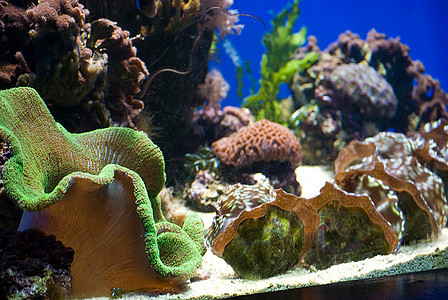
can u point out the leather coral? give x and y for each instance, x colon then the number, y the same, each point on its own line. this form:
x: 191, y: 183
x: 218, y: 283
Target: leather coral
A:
x: 97, y: 193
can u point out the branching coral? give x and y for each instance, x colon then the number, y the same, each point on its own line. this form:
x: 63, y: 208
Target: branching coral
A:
x: 214, y: 89
x: 92, y: 190
x: 126, y: 72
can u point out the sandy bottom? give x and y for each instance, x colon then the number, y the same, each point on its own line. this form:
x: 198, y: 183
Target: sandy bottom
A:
x: 222, y: 282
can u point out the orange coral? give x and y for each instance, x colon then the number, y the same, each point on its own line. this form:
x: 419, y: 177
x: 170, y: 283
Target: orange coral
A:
x: 260, y: 141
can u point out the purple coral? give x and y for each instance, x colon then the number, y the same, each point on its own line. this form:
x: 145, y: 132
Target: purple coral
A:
x: 361, y: 88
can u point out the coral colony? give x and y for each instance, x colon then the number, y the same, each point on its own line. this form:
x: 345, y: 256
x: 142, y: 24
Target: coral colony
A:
x: 111, y: 128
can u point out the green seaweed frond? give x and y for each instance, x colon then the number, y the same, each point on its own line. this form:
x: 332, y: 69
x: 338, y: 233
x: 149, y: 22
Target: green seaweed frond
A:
x: 276, y: 64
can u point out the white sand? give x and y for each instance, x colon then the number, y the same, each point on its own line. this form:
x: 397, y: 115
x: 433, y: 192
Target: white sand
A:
x: 222, y: 281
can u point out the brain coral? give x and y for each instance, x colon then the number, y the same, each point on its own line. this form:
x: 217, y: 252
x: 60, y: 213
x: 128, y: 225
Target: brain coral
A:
x: 364, y: 87
x: 259, y: 141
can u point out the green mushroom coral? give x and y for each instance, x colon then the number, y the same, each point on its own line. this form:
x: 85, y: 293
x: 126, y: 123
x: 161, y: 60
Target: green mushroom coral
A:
x: 97, y: 193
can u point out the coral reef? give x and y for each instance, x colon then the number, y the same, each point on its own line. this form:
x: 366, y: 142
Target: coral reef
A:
x: 204, y: 191
x: 52, y: 53
x: 214, y: 89
x: 68, y: 182
x: 387, y: 191
x: 126, y: 72
x: 265, y: 147
x: 212, y: 125
x: 34, y: 266
x: 394, y: 159
x: 359, y: 88
x: 377, y: 64
x: 77, y: 58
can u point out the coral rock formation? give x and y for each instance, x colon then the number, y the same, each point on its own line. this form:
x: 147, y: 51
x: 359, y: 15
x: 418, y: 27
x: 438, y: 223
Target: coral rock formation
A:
x: 261, y: 147
x: 402, y: 97
x: 34, y: 266
x: 260, y: 141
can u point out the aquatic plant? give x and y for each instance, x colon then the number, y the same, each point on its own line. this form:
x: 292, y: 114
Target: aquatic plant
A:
x: 386, y: 192
x: 276, y: 64
x: 97, y: 193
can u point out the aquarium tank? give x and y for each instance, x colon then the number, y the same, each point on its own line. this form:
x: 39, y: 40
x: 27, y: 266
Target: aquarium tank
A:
x: 210, y: 149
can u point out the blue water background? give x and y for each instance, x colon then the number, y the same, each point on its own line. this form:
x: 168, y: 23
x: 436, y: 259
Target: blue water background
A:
x: 421, y: 24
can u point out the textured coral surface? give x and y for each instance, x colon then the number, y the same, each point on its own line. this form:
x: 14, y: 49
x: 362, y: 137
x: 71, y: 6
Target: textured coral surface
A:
x: 394, y: 159
x: 260, y: 141
x: 113, y: 174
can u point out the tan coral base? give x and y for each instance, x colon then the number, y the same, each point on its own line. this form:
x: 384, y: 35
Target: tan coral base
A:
x: 222, y: 281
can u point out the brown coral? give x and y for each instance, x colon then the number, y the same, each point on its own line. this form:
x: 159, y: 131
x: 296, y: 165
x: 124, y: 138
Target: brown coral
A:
x: 60, y: 14
x: 253, y: 205
x: 126, y: 72
x: 260, y: 141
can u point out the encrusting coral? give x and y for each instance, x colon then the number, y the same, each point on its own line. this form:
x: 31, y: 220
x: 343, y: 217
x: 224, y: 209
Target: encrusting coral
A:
x: 97, y: 193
